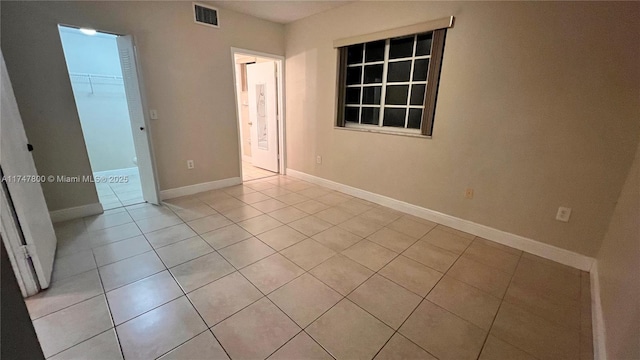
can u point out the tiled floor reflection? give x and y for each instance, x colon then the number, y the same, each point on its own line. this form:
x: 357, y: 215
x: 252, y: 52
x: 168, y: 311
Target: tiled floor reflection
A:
x: 250, y: 172
x: 122, y: 188
x: 283, y: 269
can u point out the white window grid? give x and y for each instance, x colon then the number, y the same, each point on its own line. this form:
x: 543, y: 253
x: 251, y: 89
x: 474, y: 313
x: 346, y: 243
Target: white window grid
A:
x: 384, y: 83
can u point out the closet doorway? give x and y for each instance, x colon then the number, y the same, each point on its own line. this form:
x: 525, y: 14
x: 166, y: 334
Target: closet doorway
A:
x: 105, y: 83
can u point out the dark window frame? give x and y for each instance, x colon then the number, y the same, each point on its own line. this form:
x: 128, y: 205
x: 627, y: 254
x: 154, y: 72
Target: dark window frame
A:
x: 431, y: 91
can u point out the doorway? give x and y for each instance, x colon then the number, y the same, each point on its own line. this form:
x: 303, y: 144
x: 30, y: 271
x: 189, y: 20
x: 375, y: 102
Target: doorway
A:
x: 259, y: 98
x: 105, y: 87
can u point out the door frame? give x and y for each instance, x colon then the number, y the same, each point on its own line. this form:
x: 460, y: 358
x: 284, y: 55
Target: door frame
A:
x: 143, y: 100
x: 280, y: 66
x: 13, y: 239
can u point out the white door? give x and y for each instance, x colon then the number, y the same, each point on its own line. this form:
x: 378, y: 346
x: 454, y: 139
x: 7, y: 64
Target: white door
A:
x: 28, y: 231
x: 137, y: 114
x: 263, y: 114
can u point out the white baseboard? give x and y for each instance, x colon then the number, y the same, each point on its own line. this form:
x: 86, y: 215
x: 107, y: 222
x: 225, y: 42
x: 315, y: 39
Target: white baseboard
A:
x: 197, y: 188
x: 546, y: 251
x: 597, y: 318
x: 76, y: 212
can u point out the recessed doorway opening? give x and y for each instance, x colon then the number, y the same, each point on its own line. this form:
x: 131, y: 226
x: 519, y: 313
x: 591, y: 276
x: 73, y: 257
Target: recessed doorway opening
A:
x: 103, y: 76
x: 259, y: 97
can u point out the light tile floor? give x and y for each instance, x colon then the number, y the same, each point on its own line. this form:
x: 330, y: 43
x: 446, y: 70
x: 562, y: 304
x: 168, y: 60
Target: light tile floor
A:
x: 122, y: 188
x: 250, y: 172
x: 281, y: 269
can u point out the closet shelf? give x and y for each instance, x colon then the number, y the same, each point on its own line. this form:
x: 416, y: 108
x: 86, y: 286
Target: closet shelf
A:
x: 95, y: 79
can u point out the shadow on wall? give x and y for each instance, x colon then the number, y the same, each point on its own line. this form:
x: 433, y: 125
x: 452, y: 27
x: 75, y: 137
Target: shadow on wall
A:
x: 303, y: 147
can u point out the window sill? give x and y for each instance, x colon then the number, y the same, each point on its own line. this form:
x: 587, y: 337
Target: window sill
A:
x: 380, y: 130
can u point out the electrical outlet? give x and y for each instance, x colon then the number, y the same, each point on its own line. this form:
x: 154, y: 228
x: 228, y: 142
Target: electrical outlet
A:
x: 318, y: 159
x: 153, y: 114
x: 190, y: 164
x: 468, y: 194
x: 564, y: 213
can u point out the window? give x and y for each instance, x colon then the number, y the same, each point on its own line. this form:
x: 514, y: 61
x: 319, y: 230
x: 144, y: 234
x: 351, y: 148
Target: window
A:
x: 390, y: 84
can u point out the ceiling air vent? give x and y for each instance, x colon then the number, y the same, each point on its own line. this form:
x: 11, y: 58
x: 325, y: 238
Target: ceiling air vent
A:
x: 205, y: 15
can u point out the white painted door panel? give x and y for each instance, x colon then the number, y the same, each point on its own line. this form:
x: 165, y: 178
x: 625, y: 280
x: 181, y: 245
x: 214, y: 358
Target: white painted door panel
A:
x: 137, y: 114
x: 25, y: 194
x: 263, y: 113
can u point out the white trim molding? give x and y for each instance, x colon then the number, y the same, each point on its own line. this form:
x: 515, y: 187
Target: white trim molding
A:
x: 76, y: 212
x: 197, y: 188
x: 282, y: 111
x: 597, y: 318
x: 541, y: 249
x: 436, y: 24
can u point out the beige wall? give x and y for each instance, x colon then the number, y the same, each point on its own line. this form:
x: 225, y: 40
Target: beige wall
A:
x: 537, y: 108
x: 187, y: 71
x: 618, y: 266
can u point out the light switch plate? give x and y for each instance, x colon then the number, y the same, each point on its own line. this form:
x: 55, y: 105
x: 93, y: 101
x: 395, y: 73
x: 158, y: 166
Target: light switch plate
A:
x: 153, y: 114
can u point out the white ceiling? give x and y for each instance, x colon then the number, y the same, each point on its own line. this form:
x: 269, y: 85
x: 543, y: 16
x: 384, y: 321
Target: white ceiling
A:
x: 280, y: 11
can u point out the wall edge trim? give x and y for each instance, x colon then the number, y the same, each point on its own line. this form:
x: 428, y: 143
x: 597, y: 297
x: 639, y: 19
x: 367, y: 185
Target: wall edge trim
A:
x: 563, y: 256
x: 76, y: 212
x: 197, y: 188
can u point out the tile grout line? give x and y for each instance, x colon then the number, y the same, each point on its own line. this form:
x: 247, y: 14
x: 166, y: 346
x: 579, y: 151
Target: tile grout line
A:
x: 424, y: 298
x: 104, y: 292
x: 184, y: 342
x: 97, y: 269
x: 265, y: 296
x: 419, y: 239
x: 237, y: 270
x: 271, y: 292
x: 276, y: 305
x: 343, y: 297
x: 177, y: 283
x: 346, y: 297
x: 216, y: 251
x: 113, y: 326
x: 188, y: 299
x: 183, y: 222
x: 528, y: 312
x: 89, y: 338
x: 498, y: 310
x: 113, y: 323
x: 374, y: 272
x: 66, y: 307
